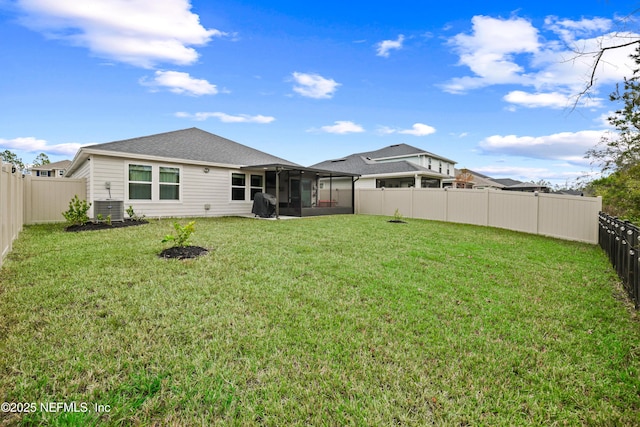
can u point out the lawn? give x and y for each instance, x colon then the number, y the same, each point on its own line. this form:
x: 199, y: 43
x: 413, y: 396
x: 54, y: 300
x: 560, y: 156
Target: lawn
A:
x: 345, y: 320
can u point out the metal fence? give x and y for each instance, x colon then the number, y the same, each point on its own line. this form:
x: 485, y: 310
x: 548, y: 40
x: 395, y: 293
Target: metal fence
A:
x: 621, y: 241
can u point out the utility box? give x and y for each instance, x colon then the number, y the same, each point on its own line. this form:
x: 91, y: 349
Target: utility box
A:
x: 115, y: 208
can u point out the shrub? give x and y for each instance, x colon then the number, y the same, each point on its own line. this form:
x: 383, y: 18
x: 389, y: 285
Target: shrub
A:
x: 134, y: 216
x: 77, y: 213
x: 183, y: 233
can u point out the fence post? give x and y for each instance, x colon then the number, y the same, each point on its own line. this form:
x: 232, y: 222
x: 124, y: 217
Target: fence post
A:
x: 621, y: 241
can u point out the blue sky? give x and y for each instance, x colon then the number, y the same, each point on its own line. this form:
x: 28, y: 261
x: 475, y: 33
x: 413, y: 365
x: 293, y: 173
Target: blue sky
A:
x: 491, y: 86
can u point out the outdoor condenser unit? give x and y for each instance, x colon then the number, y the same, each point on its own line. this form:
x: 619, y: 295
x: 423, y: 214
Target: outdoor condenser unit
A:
x: 115, y: 208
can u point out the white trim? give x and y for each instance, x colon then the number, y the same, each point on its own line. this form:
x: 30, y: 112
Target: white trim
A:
x: 155, y: 182
x: 247, y: 184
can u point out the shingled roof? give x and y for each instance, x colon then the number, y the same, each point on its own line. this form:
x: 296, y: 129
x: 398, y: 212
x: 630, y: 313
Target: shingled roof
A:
x: 191, y: 144
x: 366, y: 164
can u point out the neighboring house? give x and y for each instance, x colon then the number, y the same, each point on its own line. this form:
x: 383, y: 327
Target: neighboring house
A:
x: 528, y: 187
x: 396, y: 166
x: 51, y: 170
x: 467, y: 178
x: 191, y: 172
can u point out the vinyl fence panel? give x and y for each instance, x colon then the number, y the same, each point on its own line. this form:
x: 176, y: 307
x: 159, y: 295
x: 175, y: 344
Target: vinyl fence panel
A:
x: 48, y: 198
x: 564, y: 217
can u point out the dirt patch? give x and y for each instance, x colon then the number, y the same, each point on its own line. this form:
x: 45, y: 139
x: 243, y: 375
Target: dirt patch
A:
x: 183, y: 252
x: 89, y: 226
x: 397, y: 221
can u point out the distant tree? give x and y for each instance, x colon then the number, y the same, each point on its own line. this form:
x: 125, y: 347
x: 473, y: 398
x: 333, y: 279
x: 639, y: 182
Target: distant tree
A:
x: 464, y: 178
x: 618, y: 153
x: 542, y: 183
x: 11, y: 157
x: 620, y: 193
x: 41, y: 159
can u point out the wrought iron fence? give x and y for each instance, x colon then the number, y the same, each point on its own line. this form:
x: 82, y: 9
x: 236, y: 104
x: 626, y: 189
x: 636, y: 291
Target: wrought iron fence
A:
x: 621, y: 241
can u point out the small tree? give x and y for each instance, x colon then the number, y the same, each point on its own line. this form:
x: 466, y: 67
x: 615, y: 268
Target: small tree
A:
x: 77, y: 213
x: 183, y: 233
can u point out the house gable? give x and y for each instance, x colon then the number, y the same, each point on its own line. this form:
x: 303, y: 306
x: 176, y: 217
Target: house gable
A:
x: 191, y: 145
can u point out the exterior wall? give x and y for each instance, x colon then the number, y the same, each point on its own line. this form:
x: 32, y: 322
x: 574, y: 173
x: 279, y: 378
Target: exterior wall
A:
x: 197, y: 189
x: 423, y: 160
x: 564, y: 217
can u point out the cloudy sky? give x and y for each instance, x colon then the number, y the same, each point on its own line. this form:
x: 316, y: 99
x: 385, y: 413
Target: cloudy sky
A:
x: 492, y: 86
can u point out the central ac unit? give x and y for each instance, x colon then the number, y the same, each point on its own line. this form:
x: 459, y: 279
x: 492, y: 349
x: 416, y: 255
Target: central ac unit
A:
x: 115, y: 208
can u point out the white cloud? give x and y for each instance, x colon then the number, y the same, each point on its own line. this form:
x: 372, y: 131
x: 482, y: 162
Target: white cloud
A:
x: 34, y: 145
x: 385, y: 46
x: 548, y: 59
x: 534, y: 100
x: 138, y: 32
x: 314, y: 85
x: 419, y: 129
x: 227, y: 118
x: 181, y: 83
x: 566, y: 146
x: 385, y: 130
x: 343, y: 127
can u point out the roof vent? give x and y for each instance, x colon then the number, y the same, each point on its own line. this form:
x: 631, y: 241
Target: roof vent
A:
x: 395, y: 145
x: 338, y: 160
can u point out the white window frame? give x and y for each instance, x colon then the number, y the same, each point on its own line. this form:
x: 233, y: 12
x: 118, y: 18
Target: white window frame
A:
x: 251, y: 187
x: 178, y: 184
x: 245, y: 187
x: 155, y: 182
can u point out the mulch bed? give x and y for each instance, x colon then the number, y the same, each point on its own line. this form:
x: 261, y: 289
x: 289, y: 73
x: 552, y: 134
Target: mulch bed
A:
x: 176, y: 252
x: 89, y: 226
x: 183, y: 252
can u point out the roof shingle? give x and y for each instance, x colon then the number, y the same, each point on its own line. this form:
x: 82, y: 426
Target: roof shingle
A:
x: 192, y: 144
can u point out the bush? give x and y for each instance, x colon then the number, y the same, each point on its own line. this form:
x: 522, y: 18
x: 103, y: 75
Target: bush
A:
x: 77, y: 213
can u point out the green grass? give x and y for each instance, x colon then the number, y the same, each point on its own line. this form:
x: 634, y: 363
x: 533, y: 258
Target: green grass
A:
x: 346, y: 320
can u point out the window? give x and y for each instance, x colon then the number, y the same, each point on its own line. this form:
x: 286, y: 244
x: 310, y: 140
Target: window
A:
x: 238, y: 186
x: 256, y: 185
x: 169, y: 183
x: 140, y: 182
x: 61, y: 173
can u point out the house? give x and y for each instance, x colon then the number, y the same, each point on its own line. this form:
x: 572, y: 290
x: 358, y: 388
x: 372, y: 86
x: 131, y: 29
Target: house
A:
x: 467, y: 178
x: 192, y: 172
x: 51, y: 170
x: 395, y: 166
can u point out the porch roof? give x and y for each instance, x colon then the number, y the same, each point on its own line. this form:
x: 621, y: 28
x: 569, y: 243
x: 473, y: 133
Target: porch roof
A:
x: 322, y: 173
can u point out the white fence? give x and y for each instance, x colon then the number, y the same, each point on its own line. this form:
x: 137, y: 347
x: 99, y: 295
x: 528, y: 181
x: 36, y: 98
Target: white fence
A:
x: 11, y: 207
x: 31, y: 200
x: 564, y: 217
x: 46, y: 198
